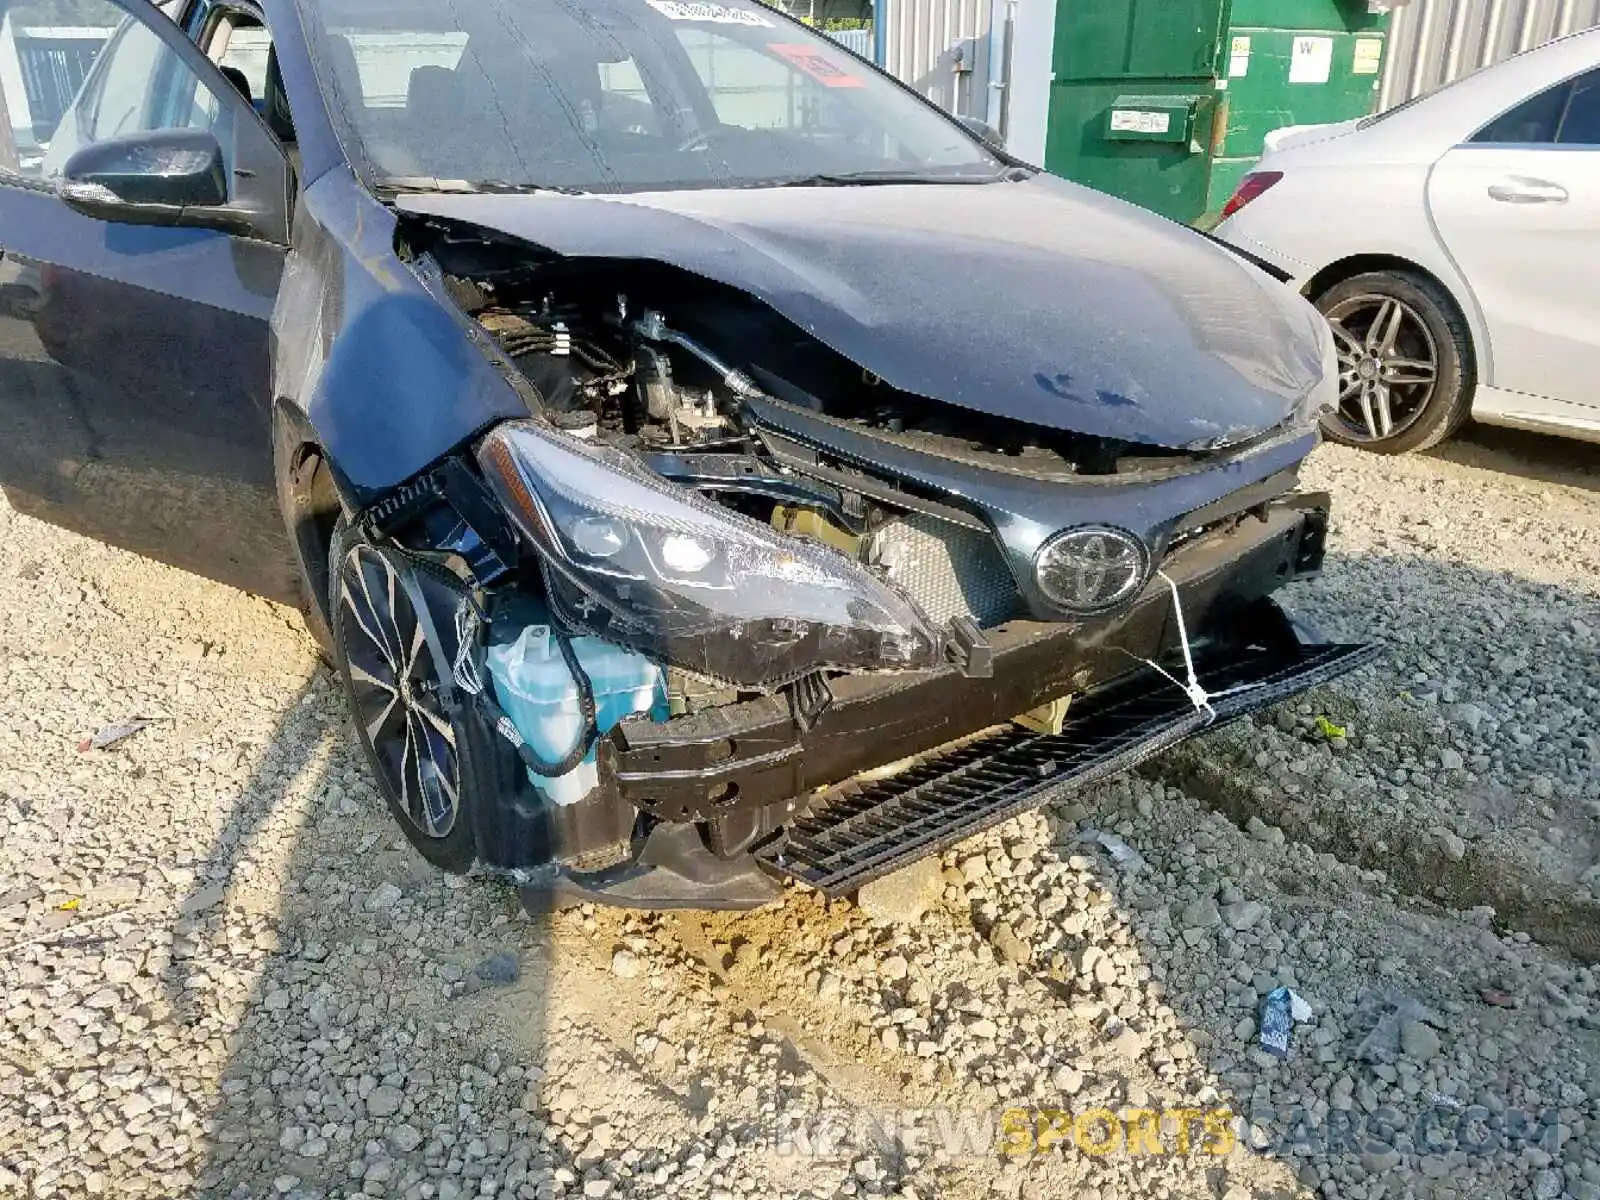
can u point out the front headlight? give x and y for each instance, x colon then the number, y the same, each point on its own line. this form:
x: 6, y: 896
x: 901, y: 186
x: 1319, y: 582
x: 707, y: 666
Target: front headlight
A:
x: 638, y: 561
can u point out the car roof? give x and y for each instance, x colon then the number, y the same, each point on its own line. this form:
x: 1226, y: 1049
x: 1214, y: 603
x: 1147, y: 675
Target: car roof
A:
x: 1456, y: 111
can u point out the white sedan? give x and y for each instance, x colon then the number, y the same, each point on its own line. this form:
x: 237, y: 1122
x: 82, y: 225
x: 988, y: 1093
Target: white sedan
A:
x: 1453, y: 242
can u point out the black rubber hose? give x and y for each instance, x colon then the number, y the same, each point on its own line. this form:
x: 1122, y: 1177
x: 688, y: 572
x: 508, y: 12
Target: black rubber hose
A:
x: 591, y: 727
x: 495, y: 714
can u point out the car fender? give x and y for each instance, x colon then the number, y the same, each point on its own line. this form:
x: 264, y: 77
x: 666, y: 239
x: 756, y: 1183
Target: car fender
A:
x: 387, y: 375
x: 1393, y: 254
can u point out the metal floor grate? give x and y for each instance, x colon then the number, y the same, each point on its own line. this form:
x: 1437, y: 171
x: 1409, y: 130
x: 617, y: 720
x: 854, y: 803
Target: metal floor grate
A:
x: 858, y: 832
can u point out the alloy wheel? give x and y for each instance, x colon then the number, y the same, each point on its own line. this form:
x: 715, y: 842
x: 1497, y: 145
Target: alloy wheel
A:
x: 1388, y: 366
x: 395, y: 692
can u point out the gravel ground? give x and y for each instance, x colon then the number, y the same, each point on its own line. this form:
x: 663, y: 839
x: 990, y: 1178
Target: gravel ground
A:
x: 1468, y: 766
x: 222, y: 973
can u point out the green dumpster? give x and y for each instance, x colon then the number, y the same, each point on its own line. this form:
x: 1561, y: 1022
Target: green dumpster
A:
x: 1166, y: 102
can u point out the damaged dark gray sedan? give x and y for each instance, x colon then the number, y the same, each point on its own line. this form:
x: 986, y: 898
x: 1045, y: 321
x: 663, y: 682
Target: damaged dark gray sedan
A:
x: 704, y: 461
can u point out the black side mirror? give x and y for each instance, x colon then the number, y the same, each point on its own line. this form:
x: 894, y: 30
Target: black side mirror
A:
x: 986, y: 133
x: 163, y: 177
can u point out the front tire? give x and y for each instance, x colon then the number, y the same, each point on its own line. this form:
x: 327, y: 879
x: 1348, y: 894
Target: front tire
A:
x: 397, y: 689
x: 1406, y: 371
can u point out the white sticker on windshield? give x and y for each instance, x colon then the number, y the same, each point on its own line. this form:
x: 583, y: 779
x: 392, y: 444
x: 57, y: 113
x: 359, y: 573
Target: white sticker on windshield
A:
x: 716, y: 14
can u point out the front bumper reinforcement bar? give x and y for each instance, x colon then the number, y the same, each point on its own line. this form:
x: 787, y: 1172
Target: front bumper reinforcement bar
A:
x: 857, y: 832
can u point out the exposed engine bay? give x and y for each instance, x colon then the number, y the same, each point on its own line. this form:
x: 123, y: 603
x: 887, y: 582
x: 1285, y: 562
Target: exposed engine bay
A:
x: 645, y: 350
x: 632, y: 378
x: 720, y: 566
x: 711, y: 390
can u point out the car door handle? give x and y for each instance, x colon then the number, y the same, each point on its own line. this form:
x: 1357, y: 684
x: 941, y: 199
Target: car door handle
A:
x: 1519, y: 189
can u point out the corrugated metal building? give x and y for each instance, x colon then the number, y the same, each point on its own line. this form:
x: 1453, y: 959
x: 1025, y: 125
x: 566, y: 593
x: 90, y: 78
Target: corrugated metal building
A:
x: 991, y: 58
x: 943, y: 49
x: 41, y: 69
x: 857, y: 41
x: 1434, y: 41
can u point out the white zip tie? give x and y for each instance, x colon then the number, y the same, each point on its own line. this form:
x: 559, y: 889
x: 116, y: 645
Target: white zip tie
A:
x: 1193, y: 689
x: 464, y: 670
x: 1198, y: 696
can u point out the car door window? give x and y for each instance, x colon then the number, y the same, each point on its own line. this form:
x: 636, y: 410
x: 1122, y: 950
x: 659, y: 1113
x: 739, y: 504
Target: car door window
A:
x: 249, y: 50
x: 1581, y: 124
x: 122, y: 94
x: 51, y: 47
x: 126, y: 80
x: 1533, y: 122
x: 625, y: 102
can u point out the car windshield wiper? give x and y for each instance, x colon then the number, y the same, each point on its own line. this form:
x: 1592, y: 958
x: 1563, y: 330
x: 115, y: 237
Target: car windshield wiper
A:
x: 395, y: 184
x: 506, y: 186
x: 884, y: 178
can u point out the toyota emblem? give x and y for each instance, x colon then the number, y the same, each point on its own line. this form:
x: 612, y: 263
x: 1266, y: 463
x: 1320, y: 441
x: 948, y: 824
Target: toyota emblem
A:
x: 1091, y: 568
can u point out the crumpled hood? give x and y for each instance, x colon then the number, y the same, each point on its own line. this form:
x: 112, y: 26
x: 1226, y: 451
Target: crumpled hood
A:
x: 1037, y: 300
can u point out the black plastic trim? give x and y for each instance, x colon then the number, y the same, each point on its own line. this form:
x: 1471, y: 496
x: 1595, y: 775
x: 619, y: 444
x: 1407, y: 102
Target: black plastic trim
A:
x: 859, y: 832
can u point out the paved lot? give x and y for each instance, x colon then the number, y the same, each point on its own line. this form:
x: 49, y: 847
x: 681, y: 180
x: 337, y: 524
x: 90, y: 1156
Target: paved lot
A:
x: 222, y: 973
